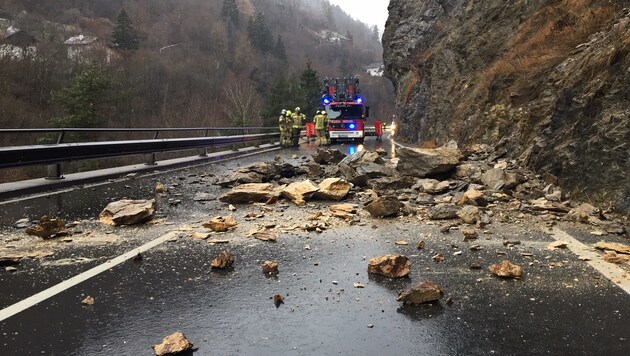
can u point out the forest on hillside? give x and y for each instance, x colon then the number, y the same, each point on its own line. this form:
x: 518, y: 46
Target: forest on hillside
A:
x: 180, y: 63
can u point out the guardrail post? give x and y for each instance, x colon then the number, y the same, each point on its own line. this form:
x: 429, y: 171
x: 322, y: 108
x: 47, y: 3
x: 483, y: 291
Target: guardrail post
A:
x: 53, y: 171
x: 151, y: 157
x: 203, y: 152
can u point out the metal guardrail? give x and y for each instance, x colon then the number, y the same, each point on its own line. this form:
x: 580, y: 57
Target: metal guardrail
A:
x: 55, y: 154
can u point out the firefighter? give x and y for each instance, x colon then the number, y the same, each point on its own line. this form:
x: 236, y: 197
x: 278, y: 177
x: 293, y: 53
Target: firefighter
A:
x: 326, y: 127
x: 298, y: 120
x: 320, y: 127
x: 285, y: 130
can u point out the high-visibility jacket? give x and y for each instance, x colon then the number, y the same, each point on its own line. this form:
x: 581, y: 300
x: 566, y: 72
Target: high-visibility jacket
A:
x: 320, y: 122
x: 298, y: 120
x: 282, y: 122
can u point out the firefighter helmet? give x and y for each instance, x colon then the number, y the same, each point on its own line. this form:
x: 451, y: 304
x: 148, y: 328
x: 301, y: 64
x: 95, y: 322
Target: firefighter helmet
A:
x: 283, y: 112
x: 297, y: 109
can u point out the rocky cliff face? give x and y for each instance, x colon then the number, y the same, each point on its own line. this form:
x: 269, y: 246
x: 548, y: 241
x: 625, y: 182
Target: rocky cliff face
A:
x: 548, y: 81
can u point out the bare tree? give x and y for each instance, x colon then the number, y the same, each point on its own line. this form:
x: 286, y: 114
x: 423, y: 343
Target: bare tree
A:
x: 242, y: 105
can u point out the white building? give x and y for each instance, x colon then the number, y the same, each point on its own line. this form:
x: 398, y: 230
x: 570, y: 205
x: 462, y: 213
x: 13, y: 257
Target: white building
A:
x: 375, y: 69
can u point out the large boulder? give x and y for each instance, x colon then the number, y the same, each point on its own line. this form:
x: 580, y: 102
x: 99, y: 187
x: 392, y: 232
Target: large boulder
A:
x: 384, y: 206
x: 393, y: 266
x: 391, y: 183
x: 443, y: 211
x: 298, y: 192
x: 259, y: 172
x: 421, y: 162
x: 469, y: 214
x: 421, y: 293
x: 328, y: 156
x: 128, y: 212
x: 372, y: 170
x: 252, y: 192
x: 333, y: 189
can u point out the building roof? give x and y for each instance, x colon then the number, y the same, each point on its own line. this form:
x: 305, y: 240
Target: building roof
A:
x: 374, y: 66
x: 80, y: 40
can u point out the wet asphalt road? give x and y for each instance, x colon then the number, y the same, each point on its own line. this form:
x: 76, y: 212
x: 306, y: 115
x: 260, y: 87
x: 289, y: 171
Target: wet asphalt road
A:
x: 560, y: 307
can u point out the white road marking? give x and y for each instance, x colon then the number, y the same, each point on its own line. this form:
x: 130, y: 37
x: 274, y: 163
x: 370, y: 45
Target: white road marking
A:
x: 611, y: 271
x: 69, y: 283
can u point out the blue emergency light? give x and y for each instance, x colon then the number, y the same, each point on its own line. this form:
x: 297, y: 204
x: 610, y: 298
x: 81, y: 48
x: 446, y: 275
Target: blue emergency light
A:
x: 359, y: 99
x: 352, y: 126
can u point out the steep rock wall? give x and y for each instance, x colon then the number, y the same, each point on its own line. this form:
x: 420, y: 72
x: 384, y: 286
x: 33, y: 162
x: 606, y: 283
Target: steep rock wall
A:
x: 547, y: 80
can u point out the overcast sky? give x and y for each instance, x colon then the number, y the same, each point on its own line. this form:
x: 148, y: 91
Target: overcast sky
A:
x: 372, y: 12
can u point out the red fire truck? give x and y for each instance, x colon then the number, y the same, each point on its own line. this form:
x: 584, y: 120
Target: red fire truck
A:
x: 346, y: 109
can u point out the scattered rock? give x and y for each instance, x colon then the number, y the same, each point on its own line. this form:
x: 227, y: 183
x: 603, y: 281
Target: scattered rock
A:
x: 358, y: 285
x: 546, y: 205
x: 344, y: 211
x: 88, y: 301
x: 224, y: 260
x: 265, y: 236
x: 333, y: 189
x: 507, y: 270
x: 421, y: 293
x: 48, y: 228
x: 172, y: 345
x: 584, y: 213
x: 433, y: 186
x: 384, y: 206
x: 328, y: 156
x: 199, y: 235
x: 252, y: 192
x: 610, y: 246
x: 278, y: 299
x: 270, y: 267
x: 469, y: 233
x: 393, y: 266
x: 401, y: 243
x: 420, y: 245
x: 419, y: 162
x: 160, y: 188
x: 218, y: 241
x: 473, y: 197
x: 300, y: 191
x: 437, y: 258
x: 469, y: 214
x: 617, y: 258
x: 205, y: 197
x: 128, y: 212
x: 221, y: 223
x: 556, y: 245
x: 443, y: 211
x: 10, y: 269
x: 22, y: 223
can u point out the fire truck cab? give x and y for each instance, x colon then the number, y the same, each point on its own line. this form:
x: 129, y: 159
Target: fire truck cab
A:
x: 346, y: 109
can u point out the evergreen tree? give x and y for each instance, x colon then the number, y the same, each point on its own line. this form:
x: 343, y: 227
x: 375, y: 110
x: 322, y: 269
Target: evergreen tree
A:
x: 259, y: 34
x: 376, y: 35
x: 229, y: 11
x: 311, y: 89
x: 125, y: 36
x: 280, y: 50
x: 88, y: 102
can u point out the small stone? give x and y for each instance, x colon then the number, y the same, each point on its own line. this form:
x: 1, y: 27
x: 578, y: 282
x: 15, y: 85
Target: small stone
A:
x: 438, y: 258
x: 278, y: 299
x: 469, y: 233
x: 358, y: 285
x: 401, y: 243
x: 231, y: 207
x: 270, y: 267
x: 10, y: 269
x: 424, y: 292
x: 265, y: 236
x: 160, y: 188
x: 221, y: 223
x: 88, y: 301
x: 370, y: 326
x: 420, y: 245
x: 556, y: 245
x: 224, y: 260
x: 173, y: 344
x: 393, y: 266
x: 507, y: 270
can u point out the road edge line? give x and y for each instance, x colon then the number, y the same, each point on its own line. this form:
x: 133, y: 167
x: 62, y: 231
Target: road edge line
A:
x: 82, y: 277
x: 614, y: 273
